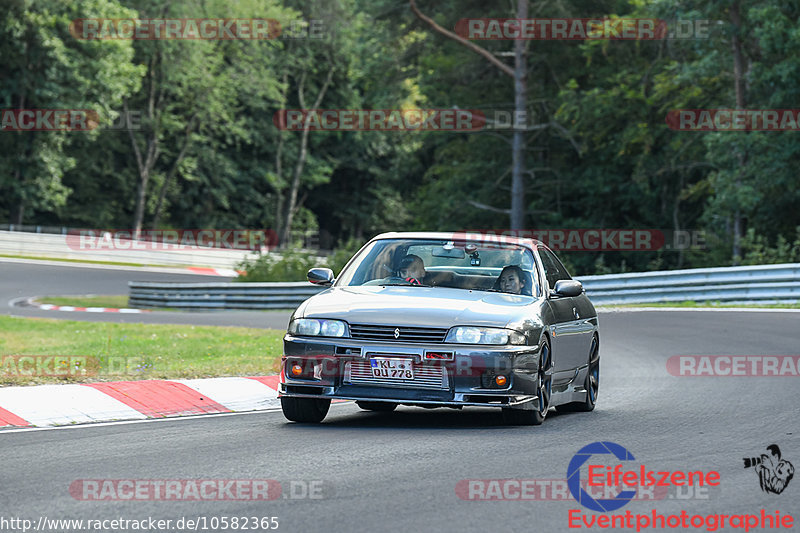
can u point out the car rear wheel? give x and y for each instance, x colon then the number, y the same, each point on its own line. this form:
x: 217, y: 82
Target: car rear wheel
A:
x: 383, y: 407
x: 591, y: 384
x: 312, y: 410
x: 544, y: 389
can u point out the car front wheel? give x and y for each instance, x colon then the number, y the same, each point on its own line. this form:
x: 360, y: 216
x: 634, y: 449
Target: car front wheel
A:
x: 544, y: 389
x: 311, y: 410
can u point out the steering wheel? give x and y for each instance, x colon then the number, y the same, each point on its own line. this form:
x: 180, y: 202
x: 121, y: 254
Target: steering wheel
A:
x: 391, y: 280
x: 398, y: 279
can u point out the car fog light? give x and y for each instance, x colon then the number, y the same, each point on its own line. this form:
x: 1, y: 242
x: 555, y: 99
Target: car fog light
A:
x: 501, y: 380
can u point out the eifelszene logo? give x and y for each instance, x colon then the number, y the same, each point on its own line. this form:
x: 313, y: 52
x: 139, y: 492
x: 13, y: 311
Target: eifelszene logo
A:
x: 613, y: 478
x: 574, y: 477
x: 774, y: 473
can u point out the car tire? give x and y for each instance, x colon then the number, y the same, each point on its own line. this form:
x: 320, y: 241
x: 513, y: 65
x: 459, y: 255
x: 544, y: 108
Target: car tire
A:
x: 310, y: 410
x: 592, y: 383
x: 544, y: 389
x: 381, y: 407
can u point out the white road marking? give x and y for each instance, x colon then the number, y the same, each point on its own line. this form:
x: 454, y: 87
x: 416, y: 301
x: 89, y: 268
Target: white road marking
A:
x: 64, y: 404
x: 145, y: 421
x: 152, y: 420
x: 237, y: 394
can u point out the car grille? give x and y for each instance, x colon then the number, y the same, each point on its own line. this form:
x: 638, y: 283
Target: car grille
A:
x: 425, y: 376
x: 397, y: 333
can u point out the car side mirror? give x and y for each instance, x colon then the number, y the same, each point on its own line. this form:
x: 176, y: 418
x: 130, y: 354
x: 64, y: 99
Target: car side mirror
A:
x: 321, y: 276
x: 567, y: 287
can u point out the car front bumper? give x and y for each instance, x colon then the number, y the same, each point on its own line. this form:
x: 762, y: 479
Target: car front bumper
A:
x: 340, y: 369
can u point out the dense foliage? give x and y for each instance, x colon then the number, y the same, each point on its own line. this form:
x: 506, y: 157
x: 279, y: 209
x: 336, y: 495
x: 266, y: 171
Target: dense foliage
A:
x: 598, y: 151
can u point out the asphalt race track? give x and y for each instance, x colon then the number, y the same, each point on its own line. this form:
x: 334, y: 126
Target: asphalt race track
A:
x: 19, y: 280
x: 405, y: 471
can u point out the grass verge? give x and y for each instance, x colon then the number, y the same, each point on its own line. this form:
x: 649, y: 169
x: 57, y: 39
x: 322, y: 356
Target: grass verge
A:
x: 116, y: 301
x: 65, y: 351
x: 121, y: 301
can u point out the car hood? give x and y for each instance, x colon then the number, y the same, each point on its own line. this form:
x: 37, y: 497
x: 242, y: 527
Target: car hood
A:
x: 417, y: 306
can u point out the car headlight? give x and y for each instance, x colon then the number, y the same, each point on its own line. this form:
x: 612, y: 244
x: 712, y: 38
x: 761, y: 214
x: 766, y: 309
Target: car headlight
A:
x: 318, y: 327
x: 476, y: 335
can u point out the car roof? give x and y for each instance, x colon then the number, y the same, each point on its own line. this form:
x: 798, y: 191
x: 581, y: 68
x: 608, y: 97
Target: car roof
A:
x: 461, y: 235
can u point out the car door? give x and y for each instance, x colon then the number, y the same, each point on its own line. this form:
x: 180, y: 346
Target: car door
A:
x: 571, y: 332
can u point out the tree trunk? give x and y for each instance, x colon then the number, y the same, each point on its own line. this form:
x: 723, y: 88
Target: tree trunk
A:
x: 173, y: 171
x: 517, y: 211
x: 145, y: 165
x: 279, y: 168
x: 518, y: 142
x: 291, y: 205
x: 20, y: 211
x: 676, y: 222
x: 738, y: 80
x: 18, y: 174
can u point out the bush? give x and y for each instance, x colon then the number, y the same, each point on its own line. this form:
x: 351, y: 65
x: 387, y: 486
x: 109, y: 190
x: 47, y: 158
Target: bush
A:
x: 289, y: 265
x: 293, y: 264
x: 341, y: 255
x: 757, y: 250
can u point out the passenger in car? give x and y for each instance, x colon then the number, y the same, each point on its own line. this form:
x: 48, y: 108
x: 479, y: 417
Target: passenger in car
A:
x: 412, y: 269
x: 512, y: 280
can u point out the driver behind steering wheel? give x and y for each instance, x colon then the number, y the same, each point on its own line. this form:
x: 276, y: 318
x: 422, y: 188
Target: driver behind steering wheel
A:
x: 412, y: 269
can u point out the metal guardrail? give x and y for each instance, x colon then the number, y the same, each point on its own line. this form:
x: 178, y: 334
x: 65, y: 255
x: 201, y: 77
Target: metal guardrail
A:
x: 762, y: 283
x: 220, y: 295
x: 63, y: 230
x: 758, y: 283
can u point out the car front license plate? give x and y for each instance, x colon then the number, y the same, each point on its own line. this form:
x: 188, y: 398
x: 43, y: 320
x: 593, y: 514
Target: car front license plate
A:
x: 390, y: 368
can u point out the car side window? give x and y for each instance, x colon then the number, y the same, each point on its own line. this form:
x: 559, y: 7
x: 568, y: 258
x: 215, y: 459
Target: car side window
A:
x: 553, y: 268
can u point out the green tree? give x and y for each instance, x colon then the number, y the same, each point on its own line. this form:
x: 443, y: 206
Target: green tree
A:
x: 190, y: 98
x: 42, y: 66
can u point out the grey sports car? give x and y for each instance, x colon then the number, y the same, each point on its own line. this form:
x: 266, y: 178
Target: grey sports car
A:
x: 444, y: 320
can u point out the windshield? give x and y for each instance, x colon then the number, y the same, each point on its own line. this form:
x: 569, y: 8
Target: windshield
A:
x: 500, y: 267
